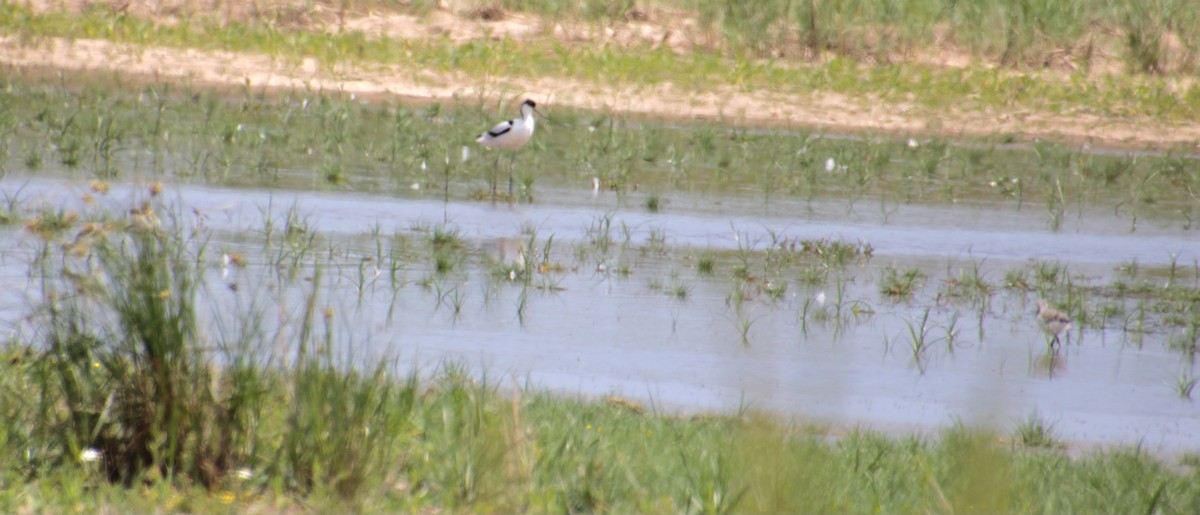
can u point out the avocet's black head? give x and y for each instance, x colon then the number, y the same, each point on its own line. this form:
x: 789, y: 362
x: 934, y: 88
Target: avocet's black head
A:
x: 528, y: 107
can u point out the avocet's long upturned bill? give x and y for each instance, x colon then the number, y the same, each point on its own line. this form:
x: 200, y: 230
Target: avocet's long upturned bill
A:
x: 510, y: 135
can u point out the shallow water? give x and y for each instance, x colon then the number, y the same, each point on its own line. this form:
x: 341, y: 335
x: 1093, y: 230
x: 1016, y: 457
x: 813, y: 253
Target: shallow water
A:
x: 623, y: 306
x: 590, y: 330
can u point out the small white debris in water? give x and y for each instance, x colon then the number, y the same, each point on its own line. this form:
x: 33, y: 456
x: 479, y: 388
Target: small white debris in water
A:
x: 512, y: 275
x: 595, y: 184
x: 89, y: 455
x: 821, y: 299
x: 912, y: 143
x: 601, y: 267
x: 466, y: 153
x: 415, y: 186
x: 830, y: 164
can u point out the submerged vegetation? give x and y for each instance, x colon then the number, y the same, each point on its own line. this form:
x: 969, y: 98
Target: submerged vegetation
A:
x: 164, y: 365
x: 136, y: 390
x: 109, y: 128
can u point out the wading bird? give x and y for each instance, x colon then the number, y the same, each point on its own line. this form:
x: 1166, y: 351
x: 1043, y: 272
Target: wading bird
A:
x: 1052, y: 321
x: 510, y: 135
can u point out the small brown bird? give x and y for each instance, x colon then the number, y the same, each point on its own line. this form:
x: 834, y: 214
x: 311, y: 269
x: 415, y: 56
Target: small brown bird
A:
x: 1052, y: 321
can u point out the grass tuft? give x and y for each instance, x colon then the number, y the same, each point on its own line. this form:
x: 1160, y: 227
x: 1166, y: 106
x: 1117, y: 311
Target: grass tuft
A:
x: 123, y: 372
x: 1035, y: 432
x: 900, y: 285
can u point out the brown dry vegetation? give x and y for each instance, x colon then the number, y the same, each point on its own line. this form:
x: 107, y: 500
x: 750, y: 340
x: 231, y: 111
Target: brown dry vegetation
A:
x: 472, y: 20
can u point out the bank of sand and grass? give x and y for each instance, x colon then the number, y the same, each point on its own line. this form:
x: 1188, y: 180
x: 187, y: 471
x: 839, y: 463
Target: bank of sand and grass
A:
x: 1105, y: 73
x: 114, y: 400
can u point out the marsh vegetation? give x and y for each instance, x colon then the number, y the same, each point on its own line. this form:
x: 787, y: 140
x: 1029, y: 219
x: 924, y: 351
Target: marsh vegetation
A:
x: 231, y: 300
x: 1109, y: 59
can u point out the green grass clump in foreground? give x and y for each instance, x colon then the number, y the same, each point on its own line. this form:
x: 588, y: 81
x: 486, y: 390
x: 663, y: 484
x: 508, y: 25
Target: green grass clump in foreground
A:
x: 699, y: 70
x: 122, y: 402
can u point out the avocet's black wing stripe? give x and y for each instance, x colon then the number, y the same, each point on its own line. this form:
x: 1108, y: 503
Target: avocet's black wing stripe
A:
x: 501, y: 129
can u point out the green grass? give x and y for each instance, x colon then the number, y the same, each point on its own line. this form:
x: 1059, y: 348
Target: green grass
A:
x: 834, y: 254
x: 1013, y: 33
x: 100, y: 126
x: 193, y: 416
x: 900, y: 285
x: 930, y: 86
x: 252, y: 139
x: 1034, y: 432
x: 970, y: 285
x: 449, y: 249
x: 324, y: 439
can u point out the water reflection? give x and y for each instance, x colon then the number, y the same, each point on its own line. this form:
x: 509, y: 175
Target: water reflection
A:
x: 589, y: 297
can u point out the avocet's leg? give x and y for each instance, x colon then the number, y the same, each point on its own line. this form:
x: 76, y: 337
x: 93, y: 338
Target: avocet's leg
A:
x: 495, y: 170
x: 510, y: 172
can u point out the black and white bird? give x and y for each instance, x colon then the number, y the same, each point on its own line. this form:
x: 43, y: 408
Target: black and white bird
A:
x: 510, y: 135
x: 1052, y: 321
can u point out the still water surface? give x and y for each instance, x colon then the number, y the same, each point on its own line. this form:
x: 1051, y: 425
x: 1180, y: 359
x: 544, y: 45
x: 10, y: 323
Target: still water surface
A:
x: 608, y: 322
